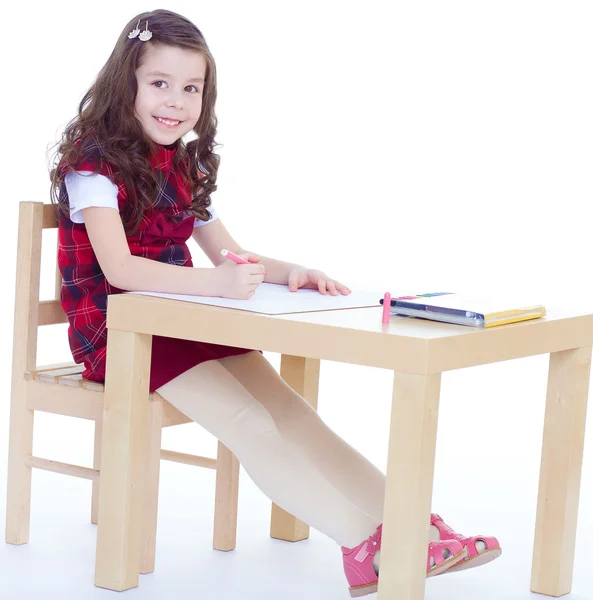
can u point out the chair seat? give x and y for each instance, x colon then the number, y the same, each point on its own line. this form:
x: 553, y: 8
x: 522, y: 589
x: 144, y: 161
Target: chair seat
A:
x: 70, y: 375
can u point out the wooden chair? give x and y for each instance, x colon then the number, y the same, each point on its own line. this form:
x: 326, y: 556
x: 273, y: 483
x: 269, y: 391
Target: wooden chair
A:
x: 61, y: 389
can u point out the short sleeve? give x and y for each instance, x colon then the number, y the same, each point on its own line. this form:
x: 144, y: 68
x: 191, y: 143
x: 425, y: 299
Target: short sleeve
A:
x: 86, y: 189
x: 212, y: 211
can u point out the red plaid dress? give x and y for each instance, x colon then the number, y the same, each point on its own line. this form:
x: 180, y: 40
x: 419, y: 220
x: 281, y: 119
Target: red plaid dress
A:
x: 162, y: 236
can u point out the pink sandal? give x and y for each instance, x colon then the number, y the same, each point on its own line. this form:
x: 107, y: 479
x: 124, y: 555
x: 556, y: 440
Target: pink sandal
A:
x: 475, y: 558
x: 361, y: 575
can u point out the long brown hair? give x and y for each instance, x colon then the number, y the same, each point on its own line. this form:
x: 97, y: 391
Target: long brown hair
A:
x: 106, y: 113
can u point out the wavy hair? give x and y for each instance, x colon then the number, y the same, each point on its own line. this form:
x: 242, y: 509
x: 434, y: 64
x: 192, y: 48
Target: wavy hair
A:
x: 107, y: 112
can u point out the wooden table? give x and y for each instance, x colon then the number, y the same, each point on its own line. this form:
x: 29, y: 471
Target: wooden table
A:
x: 418, y: 352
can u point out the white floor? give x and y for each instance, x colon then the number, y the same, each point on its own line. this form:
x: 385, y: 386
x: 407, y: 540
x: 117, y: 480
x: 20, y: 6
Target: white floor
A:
x: 485, y: 482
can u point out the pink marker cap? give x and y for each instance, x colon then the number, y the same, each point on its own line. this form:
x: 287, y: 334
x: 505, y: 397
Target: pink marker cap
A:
x: 386, y: 307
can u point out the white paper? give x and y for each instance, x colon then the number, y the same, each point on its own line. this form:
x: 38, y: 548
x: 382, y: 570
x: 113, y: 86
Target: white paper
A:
x: 272, y: 299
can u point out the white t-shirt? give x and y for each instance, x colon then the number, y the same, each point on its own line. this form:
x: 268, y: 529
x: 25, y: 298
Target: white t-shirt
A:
x: 86, y: 189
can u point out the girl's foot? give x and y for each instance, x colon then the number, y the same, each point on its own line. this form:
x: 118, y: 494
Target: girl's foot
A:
x: 362, y: 575
x: 480, y: 549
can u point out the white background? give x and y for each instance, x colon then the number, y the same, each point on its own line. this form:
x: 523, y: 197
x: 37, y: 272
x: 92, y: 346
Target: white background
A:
x: 431, y: 145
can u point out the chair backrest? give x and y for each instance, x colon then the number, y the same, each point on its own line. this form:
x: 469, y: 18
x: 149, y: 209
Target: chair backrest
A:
x: 29, y: 312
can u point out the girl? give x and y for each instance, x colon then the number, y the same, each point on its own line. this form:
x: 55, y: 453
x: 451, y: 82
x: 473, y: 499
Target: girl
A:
x: 130, y: 192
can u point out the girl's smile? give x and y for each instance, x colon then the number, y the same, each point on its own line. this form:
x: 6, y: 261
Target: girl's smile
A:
x: 168, y: 123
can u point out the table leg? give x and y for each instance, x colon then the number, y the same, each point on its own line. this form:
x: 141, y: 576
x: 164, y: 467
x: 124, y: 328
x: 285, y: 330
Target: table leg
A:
x: 408, y: 493
x: 560, y: 472
x: 123, y: 457
x: 302, y: 375
x: 226, y: 499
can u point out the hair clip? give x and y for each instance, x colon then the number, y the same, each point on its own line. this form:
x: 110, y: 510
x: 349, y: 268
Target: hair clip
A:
x: 134, y: 33
x: 146, y: 34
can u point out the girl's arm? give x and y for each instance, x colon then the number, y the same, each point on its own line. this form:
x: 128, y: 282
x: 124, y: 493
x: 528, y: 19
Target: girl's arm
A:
x: 134, y: 273
x: 213, y: 237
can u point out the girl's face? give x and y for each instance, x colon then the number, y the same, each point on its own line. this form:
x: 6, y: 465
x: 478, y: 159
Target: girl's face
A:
x: 170, y: 87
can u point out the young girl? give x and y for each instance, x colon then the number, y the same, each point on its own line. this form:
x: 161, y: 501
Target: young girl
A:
x: 130, y: 193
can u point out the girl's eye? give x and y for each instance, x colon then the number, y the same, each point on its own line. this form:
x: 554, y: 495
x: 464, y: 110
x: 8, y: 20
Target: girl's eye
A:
x: 156, y: 84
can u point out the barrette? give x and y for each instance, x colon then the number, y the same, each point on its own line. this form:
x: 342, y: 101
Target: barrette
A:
x: 143, y: 36
x: 134, y: 33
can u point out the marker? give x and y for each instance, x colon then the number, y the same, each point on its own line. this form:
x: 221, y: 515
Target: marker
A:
x: 236, y: 259
x: 386, y: 307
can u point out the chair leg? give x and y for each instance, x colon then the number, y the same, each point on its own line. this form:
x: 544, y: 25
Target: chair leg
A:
x: 151, y: 492
x: 24, y: 357
x: 96, y: 465
x: 18, y: 507
x: 226, y: 499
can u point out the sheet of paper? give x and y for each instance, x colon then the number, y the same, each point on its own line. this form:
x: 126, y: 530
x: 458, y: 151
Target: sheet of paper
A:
x: 272, y: 299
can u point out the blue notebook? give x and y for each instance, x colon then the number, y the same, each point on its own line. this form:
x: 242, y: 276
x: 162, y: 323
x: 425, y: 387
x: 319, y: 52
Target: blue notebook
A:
x: 461, y: 309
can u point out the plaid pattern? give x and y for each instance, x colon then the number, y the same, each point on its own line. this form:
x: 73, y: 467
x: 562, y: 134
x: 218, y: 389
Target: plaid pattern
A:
x: 162, y: 236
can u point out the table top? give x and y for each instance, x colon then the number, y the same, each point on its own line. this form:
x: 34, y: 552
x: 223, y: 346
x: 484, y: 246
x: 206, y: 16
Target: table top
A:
x: 354, y: 335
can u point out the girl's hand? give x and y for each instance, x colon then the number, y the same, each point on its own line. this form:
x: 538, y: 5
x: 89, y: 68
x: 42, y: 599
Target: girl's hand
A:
x: 313, y: 279
x: 239, y: 281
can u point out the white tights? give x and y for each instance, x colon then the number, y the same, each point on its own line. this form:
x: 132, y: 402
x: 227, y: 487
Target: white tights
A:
x: 284, y: 446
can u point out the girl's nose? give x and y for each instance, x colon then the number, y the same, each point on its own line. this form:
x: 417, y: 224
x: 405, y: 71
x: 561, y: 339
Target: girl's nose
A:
x: 175, y: 99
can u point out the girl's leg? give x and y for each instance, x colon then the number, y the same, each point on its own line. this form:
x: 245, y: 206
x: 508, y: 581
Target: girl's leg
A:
x: 346, y: 469
x: 283, y: 445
